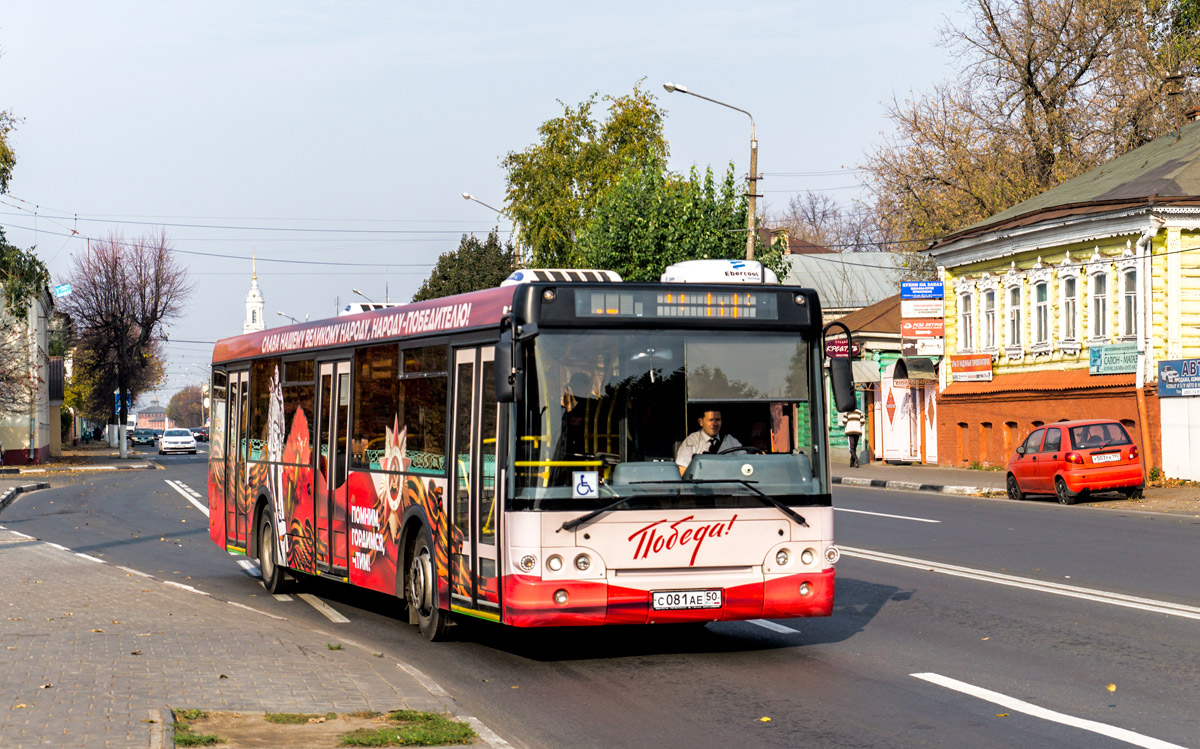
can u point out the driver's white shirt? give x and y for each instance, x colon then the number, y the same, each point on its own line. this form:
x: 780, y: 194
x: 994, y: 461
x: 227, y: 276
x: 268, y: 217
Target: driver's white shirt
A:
x: 697, y: 443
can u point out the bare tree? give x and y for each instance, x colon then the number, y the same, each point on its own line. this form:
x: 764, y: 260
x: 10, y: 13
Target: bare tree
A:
x: 186, y: 406
x: 122, y: 292
x: 817, y: 218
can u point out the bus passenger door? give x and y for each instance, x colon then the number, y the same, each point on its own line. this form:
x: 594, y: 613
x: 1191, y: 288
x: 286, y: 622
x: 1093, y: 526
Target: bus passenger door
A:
x: 473, y: 513
x: 237, y: 522
x: 331, y: 455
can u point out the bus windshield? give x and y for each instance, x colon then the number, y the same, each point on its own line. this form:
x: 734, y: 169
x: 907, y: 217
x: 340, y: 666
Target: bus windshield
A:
x: 614, y: 407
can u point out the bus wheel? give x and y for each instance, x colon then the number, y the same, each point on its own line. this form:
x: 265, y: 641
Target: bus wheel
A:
x: 273, y: 577
x: 422, y: 590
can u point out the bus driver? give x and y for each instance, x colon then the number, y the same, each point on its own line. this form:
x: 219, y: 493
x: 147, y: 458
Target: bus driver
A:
x: 708, y: 439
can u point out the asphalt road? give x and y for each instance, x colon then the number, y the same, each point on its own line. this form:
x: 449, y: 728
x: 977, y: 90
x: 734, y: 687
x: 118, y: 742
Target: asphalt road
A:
x: 958, y: 622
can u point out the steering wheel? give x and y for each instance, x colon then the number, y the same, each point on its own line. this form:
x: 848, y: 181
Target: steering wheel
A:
x: 743, y: 448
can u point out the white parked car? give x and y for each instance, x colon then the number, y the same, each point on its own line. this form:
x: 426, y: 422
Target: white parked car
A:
x: 177, y: 440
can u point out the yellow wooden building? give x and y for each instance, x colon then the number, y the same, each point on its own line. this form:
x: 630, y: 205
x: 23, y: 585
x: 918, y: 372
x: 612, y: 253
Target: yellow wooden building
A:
x: 1066, y: 305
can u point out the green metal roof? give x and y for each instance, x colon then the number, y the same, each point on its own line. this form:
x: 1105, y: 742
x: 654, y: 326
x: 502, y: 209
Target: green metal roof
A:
x: 1168, y: 167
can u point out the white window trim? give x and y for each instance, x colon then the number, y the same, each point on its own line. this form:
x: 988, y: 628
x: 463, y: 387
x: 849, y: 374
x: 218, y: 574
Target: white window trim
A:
x: 1099, y: 265
x: 963, y: 286
x: 990, y: 283
x: 1070, y: 269
x: 1041, y: 274
x: 1128, y: 263
x: 1013, y: 280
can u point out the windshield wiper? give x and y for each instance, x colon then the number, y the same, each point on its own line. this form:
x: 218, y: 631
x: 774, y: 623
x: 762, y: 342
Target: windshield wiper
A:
x: 766, y: 498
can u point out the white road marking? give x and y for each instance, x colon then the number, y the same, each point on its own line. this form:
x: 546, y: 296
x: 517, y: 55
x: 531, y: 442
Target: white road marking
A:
x: 57, y: 546
x: 774, y: 627
x: 90, y: 557
x: 132, y: 571
x: 250, y: 568
x: 257, y: 611
x: 485, y: 733
x: 430, y: 685
x: 1041, y: 586
x: 326, y: 610
x: 185, y: 587
x: 184, y: 492
x: 282, y: 597
x: 885, y: 515
x: 1011, y: 703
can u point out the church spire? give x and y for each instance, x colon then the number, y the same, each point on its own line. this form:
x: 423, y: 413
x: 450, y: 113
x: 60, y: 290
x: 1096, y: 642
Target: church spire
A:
x: 254, y: 302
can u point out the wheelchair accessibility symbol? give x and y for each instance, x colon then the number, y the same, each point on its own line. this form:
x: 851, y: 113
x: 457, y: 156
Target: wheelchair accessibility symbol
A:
x: 584, y: 484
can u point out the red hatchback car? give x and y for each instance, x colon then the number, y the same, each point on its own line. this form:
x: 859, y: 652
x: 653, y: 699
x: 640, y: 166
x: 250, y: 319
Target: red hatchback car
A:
x: 1071, y: 459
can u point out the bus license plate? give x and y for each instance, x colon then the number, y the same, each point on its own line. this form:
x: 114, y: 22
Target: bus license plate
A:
x: 685, y: 599
x: 1106, y: 457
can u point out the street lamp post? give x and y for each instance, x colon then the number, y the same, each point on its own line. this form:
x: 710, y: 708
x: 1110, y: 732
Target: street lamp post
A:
x: 753, y: 177
x: 283, y: 314
x: 516, y: 231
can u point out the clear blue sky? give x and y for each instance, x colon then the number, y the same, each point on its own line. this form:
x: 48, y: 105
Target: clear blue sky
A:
x: 242, y: 127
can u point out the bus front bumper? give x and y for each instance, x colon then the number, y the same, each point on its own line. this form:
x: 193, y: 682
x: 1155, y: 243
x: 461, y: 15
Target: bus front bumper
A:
x: 531, y: 602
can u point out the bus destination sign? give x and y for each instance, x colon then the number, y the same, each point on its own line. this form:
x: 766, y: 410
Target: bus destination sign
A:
x: 729, y: 305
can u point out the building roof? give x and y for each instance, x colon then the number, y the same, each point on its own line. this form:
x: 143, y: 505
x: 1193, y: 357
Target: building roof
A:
x: 1166, y: 170
x: 881, y: 317
x: 154, y: 410
x: 1040, y: 380
x: 846, y: 280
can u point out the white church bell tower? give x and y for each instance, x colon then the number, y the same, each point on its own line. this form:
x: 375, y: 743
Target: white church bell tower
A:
x: 254, y: 303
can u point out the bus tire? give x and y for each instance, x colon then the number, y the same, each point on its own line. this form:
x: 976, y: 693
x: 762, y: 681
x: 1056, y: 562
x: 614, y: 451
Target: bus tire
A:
x: 422, y: 589
x: 274, y: 579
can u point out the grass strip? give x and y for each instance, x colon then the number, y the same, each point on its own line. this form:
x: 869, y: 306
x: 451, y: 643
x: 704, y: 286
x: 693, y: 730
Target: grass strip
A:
x: 297, y: 718
x: 412, y: 728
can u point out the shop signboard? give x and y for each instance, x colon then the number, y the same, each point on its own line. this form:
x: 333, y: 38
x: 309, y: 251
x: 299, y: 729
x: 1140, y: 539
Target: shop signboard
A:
x: 836, y: 349
x: 922, y: 346
x: 1116, y: 358
x: 928, y: 328
x: 921, y: 308
x: 1178, y: 378
x: 971, y: 367
x: 920, y: 290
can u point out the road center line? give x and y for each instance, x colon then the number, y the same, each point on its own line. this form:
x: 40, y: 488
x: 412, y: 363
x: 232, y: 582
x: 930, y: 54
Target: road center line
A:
x: 326, y: 610
x: 885, y: 515
x: 1011, y: 703
x: 187, y: 496
x: 250, y: 568
x: 774, y: 627
x: 1041, y: 586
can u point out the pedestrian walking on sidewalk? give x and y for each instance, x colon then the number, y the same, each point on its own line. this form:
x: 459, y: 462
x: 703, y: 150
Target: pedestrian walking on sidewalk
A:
x: 852, y: 425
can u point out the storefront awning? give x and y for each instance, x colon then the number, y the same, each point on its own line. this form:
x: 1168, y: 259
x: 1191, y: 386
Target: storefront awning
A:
x: 865, y: 371
x: 915, y: 368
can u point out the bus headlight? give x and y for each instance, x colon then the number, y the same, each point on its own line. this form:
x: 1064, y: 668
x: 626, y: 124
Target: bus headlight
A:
x: 528, y: 562
x: 832, y: 554
x: 781, y: 557
x: 807, y: 556
x: 554, y: 563
x: 583, y: 562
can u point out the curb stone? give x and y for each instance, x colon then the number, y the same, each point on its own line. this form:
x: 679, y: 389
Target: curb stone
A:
x: 10, y: 496
x: 910, y: 486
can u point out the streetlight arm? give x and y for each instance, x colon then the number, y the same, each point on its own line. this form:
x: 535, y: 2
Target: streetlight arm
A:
x: 469, y: 196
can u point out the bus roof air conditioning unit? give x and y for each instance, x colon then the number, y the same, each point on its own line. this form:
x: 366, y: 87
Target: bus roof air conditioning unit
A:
x: 719, y: 271
x: 561, y: 275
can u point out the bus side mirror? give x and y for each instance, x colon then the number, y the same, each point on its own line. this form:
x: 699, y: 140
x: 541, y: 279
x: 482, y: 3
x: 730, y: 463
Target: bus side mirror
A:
x: 506, y: 377
x: 842, y: 378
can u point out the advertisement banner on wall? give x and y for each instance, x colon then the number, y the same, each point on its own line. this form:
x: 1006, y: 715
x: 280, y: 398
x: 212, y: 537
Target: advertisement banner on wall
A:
x: 1117, y: 358
x: 971, y: 368
x: 1178, y: 378
x: 921, y: 308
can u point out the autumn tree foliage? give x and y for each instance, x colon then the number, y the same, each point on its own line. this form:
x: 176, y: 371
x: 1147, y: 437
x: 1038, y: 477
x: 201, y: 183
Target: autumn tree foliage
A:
x: 187, y: 406
x: 472, y: 266
x: 22, y: 277
x: 1048, y: 90
x: 555, y: 184
x: 122, y: 293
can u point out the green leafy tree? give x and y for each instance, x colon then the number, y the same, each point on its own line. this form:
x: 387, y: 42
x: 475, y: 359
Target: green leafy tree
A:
x: 23, y: 277
x: 186, y: 406
x: 651, y: 218
x: 474, y: 265
x: 554, y: 185
x: 8, y: 159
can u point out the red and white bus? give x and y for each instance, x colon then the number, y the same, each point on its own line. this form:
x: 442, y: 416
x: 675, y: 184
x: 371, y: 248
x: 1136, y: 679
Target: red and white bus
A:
x: 509, y: 454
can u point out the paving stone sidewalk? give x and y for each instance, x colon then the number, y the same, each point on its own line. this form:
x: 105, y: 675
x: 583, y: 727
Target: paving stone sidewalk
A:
x: 92, y: 653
